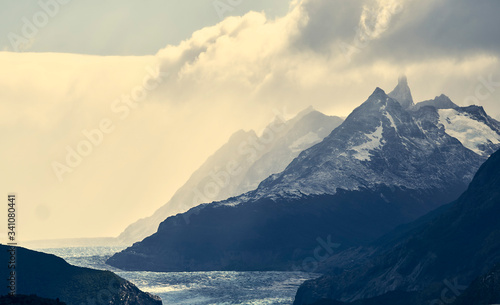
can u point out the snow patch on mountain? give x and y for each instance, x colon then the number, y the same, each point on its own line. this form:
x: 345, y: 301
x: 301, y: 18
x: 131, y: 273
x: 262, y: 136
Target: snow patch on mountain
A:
x: 391, y: 119
x: 373, y: 142
x: 305, y: 142
x: 471, y: 133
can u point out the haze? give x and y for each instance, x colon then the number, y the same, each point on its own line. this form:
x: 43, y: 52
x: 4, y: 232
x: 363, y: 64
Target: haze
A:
x: 196, y: 79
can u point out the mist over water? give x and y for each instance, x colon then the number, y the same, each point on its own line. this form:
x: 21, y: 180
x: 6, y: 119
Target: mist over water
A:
x: 203, y: 288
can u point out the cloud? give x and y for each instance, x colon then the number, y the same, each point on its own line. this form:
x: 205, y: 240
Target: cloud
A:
x: 148, y: 25
x: 429, y: 29
x: 223, y: 78
x: 319, y: 49
x: 325, y: 22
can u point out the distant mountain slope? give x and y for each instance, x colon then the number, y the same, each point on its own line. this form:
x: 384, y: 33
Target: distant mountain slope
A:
x: 383, y: 166
x: 439, y: 102
x: 310, y: 129
x: 51, y: 277
x: 239, y: 166
x: 460, y: 244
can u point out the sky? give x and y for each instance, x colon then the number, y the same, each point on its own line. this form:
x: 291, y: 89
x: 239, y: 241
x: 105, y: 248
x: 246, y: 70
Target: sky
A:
x: 107, y: 107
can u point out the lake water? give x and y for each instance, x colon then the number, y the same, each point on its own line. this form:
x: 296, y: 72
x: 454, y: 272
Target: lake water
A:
x: 203, y: 288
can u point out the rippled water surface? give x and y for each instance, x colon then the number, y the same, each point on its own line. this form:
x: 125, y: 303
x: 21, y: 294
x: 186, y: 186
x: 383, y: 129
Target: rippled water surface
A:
x: 219, y: 287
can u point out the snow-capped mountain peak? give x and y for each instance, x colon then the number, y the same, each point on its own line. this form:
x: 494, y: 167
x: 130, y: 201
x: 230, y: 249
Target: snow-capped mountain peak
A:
x: 384, y: 143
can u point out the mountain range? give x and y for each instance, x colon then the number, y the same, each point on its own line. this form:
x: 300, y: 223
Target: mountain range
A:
x: 240, y: 165
x: 388, y: 163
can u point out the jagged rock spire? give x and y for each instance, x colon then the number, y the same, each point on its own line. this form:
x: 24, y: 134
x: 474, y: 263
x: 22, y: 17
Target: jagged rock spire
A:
x: 402, y: 93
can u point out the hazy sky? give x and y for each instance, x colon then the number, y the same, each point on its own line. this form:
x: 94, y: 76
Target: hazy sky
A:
x: 118, y: 27
x: 167, y: 83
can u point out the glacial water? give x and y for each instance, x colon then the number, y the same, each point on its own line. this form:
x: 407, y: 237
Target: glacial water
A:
x: 203, y: 288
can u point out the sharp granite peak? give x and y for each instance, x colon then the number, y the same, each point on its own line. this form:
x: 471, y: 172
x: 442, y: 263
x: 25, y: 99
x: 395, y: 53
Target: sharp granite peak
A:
x: 402, y: 93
